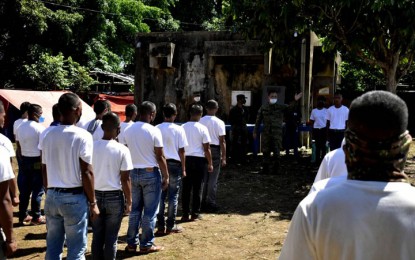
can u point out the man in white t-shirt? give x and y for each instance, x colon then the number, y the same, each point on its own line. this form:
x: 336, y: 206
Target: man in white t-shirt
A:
x: 318, y: 122
x: 7, y: 144
x: 130, y: 115
x: 7, y: 182
x: 333, y: 164
x: 337, y: 116
x: 29, y: 180
x: 112, y: 164
x: 23, y: 111
x: 217, y: 133
x: 174, y: 141
x: 375, y: 203
x: 94, y: 126
x: 146, y: 146
x: 69, y: 178
x: 198, y: 161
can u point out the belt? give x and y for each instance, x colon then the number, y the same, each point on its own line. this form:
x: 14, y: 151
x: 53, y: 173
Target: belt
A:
x: 109, y: 192
x: 148, y: 169
x: 173, y: 161
x: 215, y: 145
x: 76, y: 190
x: 337, y: 130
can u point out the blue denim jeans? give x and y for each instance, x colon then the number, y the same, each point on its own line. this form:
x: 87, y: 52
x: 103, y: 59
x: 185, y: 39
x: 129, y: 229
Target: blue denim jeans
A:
x: 146, y: 192
x: 30, y: 182
x: 106, y: 227
x: 175, y: 182
x: 210, y: 179
x: 66, y: 214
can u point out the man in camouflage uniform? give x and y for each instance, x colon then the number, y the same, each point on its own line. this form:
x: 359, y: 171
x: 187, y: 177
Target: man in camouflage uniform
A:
x: 272, y: 115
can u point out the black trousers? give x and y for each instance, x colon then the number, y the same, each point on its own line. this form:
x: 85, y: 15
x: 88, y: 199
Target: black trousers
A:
x: 335, y: 138
x: 193, y: 183
x: 320, y: 137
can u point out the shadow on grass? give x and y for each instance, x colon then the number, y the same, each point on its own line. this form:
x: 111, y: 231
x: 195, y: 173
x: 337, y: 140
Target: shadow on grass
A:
x: 33, y: 251
x: 31, y: 236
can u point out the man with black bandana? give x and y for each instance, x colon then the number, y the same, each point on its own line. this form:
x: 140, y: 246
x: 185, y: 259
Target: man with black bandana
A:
x: 369, y: 215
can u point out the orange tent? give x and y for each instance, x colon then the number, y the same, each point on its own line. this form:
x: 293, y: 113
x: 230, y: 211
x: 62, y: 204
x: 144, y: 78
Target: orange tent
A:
x: 118, y: 103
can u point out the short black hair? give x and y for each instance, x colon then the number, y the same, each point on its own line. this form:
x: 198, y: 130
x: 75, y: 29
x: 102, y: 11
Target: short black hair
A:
x: 130, y: 109
x: 24, y: 107
x: 99, y: 106
x: 147, y: 107
x: 196, y: 109
x: 68, y: 102
x: 272, y: 91
x: 211, y: 104
x: 380, y: 109
x: 110, y: 121
x: 55, y: 112
x: 169, y: 110
x: 34, y: 108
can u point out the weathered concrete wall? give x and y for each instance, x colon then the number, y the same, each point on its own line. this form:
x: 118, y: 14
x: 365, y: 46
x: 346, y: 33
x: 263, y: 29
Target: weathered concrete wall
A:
x: 212, y: 64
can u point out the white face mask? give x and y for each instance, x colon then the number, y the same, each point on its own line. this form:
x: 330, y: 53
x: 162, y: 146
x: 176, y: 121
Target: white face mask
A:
x: 196, y: 99
x: 273, y: 100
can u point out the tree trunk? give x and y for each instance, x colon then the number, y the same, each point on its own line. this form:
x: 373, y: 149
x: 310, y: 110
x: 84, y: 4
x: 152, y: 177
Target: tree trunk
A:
x: 390, y: 77
x: 390, y: 72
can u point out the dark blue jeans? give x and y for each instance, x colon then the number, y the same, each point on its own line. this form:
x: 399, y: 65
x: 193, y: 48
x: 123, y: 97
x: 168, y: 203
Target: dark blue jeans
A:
x: 106, y: 227
x: 30, y: 182
x: 175, y: 182
x: 192, y: 183
x: 146, y: 192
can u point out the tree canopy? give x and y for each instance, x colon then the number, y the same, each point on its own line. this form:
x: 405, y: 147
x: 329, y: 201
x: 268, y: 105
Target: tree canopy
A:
x: 379, y: 32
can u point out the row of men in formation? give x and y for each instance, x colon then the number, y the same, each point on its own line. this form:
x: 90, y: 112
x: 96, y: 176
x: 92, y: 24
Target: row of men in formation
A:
x: 103, y: 169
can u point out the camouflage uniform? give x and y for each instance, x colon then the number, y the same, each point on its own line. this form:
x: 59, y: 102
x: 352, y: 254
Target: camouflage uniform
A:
x: 272, y: 116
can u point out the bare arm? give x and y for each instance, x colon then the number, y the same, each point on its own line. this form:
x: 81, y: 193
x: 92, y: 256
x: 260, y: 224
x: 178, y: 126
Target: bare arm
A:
x: 88, y: 184
x: 18, y: 150
x: 183, y: 160
x: 208, y: 156
x: 6, y: 218
x: 126, y: 188
x: 13, y: 192
x: 222, y: 143
x: 161, y: 160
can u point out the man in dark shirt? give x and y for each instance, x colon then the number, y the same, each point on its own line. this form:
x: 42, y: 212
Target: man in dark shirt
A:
x: 238, y: 117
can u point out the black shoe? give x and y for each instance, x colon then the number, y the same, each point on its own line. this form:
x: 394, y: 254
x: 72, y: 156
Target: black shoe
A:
x: 196, y: 217
x: 185, y: 218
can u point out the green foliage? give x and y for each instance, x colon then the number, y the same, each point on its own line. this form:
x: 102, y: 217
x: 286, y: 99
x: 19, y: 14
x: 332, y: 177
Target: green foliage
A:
x: 55, y: 72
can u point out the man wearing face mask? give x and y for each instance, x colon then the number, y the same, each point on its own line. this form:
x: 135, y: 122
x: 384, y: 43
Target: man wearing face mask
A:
x: 238, y: 118
x: 29, y: 180
x: 272, y: 115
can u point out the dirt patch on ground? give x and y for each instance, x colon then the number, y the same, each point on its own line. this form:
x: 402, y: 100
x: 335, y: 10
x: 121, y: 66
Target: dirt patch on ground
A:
x: 251, y: 224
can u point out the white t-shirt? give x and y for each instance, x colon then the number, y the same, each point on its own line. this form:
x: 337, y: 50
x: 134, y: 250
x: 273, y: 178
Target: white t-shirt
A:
x: 28, y: 134
x: 174, y: 138
x: 354, y: 220
x: 333, y: 164
x: 215, y: 126
x: 141, y: 138
x: 319, y: 117
x: 123, y: 125
x: 42, y: 136
x: 98, y: 133
x: 17, y: 123
x: 108, y: 159
x: 337, y: 117
x: 197, y: 135
x: 63, y: 146
x: 6, y: 171
x: 6, y: 143
x: 327, y: 183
